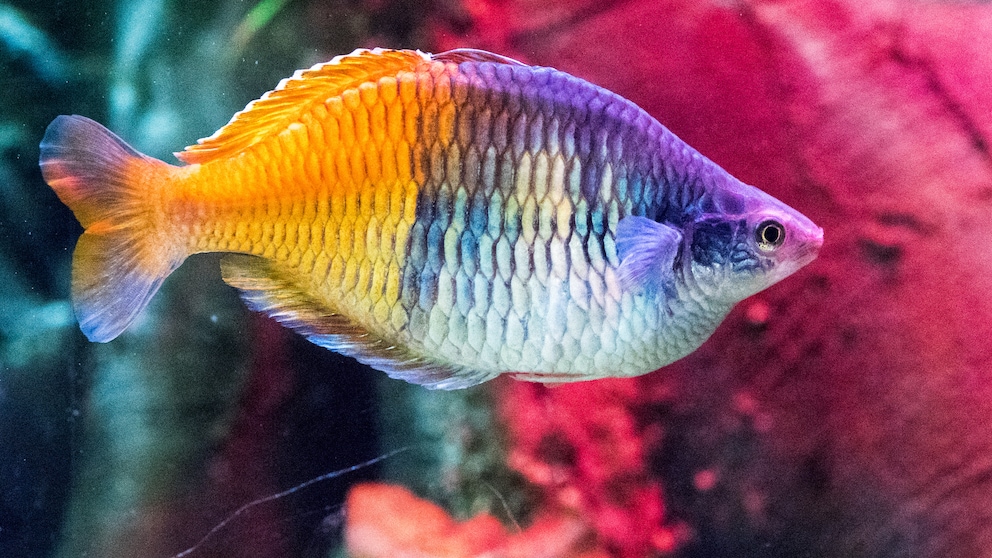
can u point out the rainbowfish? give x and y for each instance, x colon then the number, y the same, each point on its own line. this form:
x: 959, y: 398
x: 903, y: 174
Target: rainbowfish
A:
x: 443, y: 218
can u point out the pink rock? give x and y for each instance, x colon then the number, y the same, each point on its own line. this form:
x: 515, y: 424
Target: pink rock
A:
x: 854, y: 415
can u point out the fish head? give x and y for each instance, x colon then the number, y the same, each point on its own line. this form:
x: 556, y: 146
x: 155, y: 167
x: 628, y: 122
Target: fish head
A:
x: 746, y: 241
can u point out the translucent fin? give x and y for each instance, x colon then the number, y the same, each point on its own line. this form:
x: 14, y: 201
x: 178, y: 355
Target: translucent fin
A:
x: 118, y: 264
x: 459, y: 55
x: 555, y: 379
x: 647, y: 251
x: 281, y: 295
x: 277, y: 109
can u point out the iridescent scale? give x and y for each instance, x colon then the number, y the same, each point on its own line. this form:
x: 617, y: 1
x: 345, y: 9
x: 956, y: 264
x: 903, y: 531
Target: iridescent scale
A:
x: 462, y: 216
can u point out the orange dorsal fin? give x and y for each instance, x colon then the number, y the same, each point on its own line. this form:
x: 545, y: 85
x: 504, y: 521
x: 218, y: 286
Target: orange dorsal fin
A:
x: 278, y: 108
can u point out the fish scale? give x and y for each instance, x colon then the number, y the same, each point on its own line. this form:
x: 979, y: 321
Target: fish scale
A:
x: 442, y: 218
x: 525, y: 187
x: 357, y: 275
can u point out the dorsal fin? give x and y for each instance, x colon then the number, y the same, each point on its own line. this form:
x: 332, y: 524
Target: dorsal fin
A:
x: 282, y: 295
x: 459, y: 55
x: 275, y: 110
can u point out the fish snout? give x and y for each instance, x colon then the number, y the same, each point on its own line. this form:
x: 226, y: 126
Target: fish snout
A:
x: 806, y: 243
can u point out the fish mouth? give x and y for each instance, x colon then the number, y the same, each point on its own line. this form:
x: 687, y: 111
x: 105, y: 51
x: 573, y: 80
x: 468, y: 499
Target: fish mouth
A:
x: 809, y: 247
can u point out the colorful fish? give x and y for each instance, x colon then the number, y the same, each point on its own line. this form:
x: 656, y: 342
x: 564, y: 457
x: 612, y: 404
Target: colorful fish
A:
x: 443, y: 218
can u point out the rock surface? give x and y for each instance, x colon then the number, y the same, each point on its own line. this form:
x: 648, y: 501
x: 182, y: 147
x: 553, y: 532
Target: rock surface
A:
x: 846, y: 411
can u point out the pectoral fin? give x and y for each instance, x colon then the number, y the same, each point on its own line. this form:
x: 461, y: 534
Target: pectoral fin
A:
x: 647, y: 251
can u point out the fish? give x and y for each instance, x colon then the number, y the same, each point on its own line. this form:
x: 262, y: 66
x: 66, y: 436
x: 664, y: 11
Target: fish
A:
x: 444, y: 218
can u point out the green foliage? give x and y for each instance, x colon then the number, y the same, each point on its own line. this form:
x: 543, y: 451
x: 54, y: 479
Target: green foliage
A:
x: 141, y: 417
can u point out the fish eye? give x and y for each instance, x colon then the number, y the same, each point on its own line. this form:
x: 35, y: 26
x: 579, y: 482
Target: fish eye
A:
x: 769, y: 235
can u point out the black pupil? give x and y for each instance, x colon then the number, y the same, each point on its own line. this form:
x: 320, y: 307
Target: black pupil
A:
x: 770, y: 232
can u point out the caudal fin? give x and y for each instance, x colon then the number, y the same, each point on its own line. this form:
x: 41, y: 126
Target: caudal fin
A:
x: 121, y: 259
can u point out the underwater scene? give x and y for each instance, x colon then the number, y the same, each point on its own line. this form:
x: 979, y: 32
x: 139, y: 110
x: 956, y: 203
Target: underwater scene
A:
x: 496, y: 279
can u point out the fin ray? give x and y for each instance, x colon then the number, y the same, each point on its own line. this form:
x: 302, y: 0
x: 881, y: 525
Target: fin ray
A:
x: 459, y: 55
x: 116, y: 266
x: 275, y: 110
x: 279, y: 294
x: 647, y: 251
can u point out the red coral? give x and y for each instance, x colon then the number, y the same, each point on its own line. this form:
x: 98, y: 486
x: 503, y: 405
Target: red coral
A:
x: 581, y: 444
x: 387, y: 521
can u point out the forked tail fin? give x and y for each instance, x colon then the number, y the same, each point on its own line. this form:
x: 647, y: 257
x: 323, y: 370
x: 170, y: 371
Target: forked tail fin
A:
x: 122, y: 257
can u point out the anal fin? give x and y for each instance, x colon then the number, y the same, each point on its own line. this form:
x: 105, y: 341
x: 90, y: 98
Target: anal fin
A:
x: 282, y: 294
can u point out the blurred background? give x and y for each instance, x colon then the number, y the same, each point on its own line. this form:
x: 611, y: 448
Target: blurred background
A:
x: 845, y: 412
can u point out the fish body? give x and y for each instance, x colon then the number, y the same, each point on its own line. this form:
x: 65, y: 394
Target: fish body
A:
x: 444, y: 218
